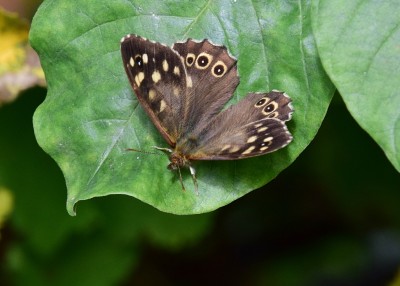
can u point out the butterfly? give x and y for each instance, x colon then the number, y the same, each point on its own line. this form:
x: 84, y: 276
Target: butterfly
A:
x: 184, y: 89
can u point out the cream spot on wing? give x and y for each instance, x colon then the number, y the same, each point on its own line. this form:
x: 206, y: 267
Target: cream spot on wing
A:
x: 177, y: 71
x: 263, y: 148
x: 165, y: 65
x: 156, y: 76
x: 132, y: 62
x: 139, y: 78
x: 145, y: 58
x: 163, y: 105
x: 258, y: 125
x: 175, y: 90
x: 248, y: 150
x: 252, y: 139
x: 262, y: 129
x: 152, y: 94
x: 234, y: 149
x: 226, y: 147
x: 268, y: 139
x: 189, y: 82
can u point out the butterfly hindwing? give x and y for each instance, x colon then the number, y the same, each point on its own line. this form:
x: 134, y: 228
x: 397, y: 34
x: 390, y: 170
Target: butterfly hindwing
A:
x: 253, y: 127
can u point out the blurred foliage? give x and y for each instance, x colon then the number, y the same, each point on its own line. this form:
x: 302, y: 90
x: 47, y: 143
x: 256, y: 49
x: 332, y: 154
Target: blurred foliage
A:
x: 6, y: 204
x: 19, y: 64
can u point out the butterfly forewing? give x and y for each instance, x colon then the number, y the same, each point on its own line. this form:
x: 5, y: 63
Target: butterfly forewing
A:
x: 211, y: 80
x: 158, y: 78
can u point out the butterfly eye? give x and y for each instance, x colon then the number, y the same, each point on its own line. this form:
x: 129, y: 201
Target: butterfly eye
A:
x: 139, y: 61
x: 190, y: 59
x: 219, y: 69
x: 203, y: 60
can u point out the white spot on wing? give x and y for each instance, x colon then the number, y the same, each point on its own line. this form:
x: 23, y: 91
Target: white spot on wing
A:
x: 145, y: 58
x: 139, y: 78
x: 177, y: 71
x: 226, y: 147
x: 156, y: 76
x: 163, y: 105
x: 189, y: 82
x: 176, y: 91
x: 165, y: 65
x: 152, y: 94
x: 248, y: 150
x: 234, y: 149
x: 252, y: 139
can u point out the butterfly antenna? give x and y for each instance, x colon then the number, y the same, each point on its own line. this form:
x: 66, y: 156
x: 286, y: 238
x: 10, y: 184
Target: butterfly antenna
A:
x: 193, y: 173
x: 141, y: 151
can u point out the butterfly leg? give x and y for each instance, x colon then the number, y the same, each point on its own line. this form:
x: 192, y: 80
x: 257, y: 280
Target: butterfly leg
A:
x: 193, y: 173
x: 180, y: 179
x: 166, y: 150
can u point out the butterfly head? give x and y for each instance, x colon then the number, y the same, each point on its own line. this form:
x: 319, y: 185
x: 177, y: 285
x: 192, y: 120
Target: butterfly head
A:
x: 177, y: 161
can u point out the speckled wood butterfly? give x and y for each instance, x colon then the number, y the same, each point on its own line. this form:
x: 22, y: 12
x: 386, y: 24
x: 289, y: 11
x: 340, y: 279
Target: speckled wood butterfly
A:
x: 183, y: 90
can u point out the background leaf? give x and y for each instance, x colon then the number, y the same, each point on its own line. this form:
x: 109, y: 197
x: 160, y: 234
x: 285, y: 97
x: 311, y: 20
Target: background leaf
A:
x: 19, y: 64
x: 359, y: 46
x: 90, y: 115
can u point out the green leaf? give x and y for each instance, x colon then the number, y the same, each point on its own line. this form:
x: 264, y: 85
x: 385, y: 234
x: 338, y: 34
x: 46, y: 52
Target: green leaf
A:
x: 359, y: 46
x: 91, y: 116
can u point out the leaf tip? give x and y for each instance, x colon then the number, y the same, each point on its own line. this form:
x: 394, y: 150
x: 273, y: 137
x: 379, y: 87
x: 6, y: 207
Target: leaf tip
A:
x: 71, y: 206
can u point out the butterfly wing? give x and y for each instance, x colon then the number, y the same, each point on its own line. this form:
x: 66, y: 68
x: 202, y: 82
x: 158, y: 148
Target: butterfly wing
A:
x: 211, y: 80
x: 253, y: 127
x: 158, y: 77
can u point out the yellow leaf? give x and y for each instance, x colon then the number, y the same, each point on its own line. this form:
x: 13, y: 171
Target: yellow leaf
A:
x: 6, y: 204
x: 19, y: 64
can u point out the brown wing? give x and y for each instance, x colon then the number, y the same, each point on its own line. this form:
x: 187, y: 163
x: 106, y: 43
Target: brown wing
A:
x: 253, y: 127
x: 158, y: 77
x: 211, y: 80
